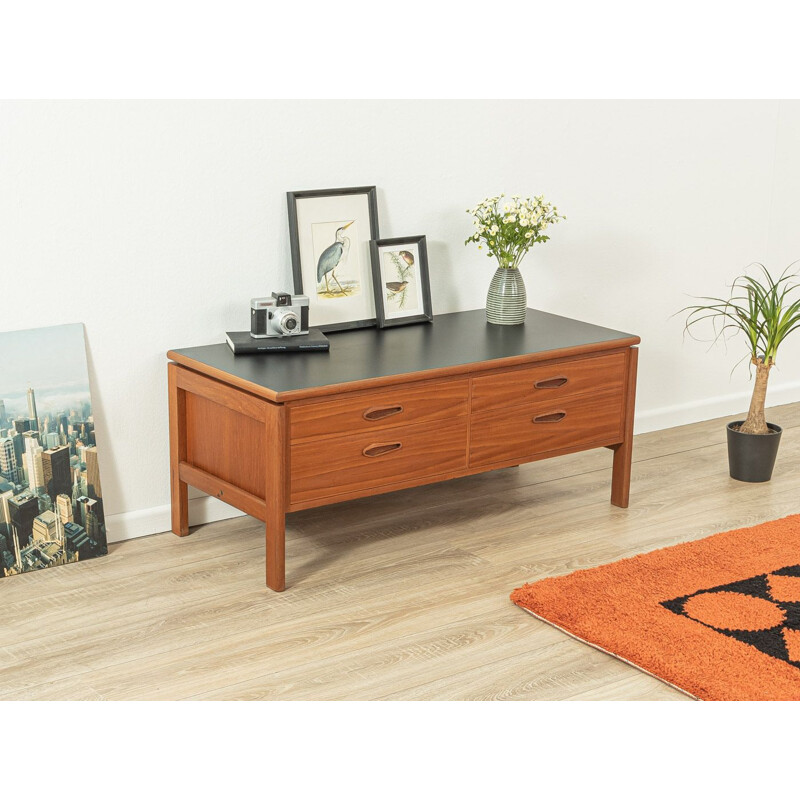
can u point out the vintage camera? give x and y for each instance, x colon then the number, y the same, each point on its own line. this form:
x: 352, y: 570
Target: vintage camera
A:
x: 279, y: 315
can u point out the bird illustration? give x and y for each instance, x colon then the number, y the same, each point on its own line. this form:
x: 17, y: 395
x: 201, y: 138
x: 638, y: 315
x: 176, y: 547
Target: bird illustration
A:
x: 396, y: 286
x: 407, y: 257
x: 332, y: 257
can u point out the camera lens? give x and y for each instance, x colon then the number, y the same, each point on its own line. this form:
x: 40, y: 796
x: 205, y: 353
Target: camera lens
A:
x: 285, y: 320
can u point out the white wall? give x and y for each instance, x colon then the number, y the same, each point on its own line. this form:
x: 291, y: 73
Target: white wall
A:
x: 155, y: 222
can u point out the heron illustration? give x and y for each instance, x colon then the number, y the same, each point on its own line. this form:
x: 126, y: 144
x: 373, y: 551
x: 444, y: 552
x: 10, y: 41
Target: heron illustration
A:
x: 332, y: 257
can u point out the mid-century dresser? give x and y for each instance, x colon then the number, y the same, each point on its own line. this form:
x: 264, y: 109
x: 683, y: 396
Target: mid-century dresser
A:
x: 391, y: 409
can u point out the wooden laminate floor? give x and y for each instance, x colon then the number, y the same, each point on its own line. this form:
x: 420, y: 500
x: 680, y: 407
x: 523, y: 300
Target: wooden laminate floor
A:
x: 402, y: 596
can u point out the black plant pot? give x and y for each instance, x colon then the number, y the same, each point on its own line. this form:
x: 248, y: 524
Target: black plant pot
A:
x: 751, y: 456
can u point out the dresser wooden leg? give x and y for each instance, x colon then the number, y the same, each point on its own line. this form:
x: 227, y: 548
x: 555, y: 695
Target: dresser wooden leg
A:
x: 276, y: 553
x: 621, y: 475
x: 276, y: 494
x: 180, y: 507
x: 623, y: 452
x: 179, y: 491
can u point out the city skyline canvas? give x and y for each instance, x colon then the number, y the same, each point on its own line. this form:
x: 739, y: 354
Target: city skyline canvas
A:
x: 51, y: 497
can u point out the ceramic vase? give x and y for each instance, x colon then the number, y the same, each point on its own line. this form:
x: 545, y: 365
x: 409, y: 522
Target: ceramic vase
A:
x: 507, y: 301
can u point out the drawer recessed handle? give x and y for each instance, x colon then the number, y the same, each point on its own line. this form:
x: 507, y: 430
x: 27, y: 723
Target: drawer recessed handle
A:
x: 551, y: 383
x: 553, y: 416
x: 381, y: 412
x: 381, y: 449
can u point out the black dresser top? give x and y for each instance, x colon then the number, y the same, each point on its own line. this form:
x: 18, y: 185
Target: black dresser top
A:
x: 452, y: 344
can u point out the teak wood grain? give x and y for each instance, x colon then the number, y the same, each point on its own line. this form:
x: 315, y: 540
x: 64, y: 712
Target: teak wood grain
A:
x: 364, y: 461
x: 179, y: 489
x: 548, y: 381
x: 388, y: 380
x: 221, y: 394
x: 251, y: 504
x: 276, y: 490
x: 226, y: 444
x: 623, y: 452
x: 538, y: 427
x: 324, y: 444
x: 376, y: 410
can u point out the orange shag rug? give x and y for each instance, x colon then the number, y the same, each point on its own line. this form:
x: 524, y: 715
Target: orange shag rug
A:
x: 718, y: 618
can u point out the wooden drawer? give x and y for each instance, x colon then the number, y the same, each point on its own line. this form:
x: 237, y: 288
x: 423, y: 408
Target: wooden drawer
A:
x: 548, y: 381
x: 525, y: 431
x: 373, y: 459
x: 380, y: 409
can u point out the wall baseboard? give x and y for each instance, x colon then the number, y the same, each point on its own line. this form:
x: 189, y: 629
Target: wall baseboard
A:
x: 147, y: 521
x: 133, y: 524
x: 658, y: 419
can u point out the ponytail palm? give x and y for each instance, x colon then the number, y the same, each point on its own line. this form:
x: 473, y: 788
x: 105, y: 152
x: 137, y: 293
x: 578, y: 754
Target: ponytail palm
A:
x: 765, y: 310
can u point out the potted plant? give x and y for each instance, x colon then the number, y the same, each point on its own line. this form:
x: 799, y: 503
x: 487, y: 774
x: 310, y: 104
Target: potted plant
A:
x: 508, y: 229
x: 765, y: 310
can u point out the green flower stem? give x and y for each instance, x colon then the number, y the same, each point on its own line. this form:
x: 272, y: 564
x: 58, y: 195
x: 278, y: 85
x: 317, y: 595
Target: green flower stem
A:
x: 508, y: 229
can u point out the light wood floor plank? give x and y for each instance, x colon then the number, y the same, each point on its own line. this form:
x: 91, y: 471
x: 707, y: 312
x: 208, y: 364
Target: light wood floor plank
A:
x: 402, y: 596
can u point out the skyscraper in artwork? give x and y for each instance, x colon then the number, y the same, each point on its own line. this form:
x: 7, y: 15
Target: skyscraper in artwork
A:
x: 32, y: 415
x: 6, y: 493
x: 34, y: 435
x: 24, y: 509
x: 64, y: 509
x: 89, y: 512
x: 34, y: 466
x: 19, y: 446
x: 45, y: 527
x: 57, y: 475
x: 8, y: 461
x: 93, y: 488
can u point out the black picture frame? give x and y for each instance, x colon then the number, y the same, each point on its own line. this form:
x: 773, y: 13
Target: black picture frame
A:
x: 292, y: 199
x: 376, y: 247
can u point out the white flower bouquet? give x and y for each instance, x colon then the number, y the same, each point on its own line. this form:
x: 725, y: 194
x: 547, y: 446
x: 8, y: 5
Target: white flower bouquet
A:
x: 508, y: 229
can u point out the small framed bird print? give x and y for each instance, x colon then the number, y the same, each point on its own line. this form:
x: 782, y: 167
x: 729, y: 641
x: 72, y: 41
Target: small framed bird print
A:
x: 401, y: 281
x: 329, y: 232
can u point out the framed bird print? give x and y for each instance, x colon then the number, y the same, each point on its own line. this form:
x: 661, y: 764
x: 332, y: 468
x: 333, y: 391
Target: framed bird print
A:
x: 330, y: 231
x: 401, y: 280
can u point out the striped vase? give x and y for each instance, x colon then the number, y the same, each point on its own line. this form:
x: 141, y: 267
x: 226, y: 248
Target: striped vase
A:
x: 507, y: 301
